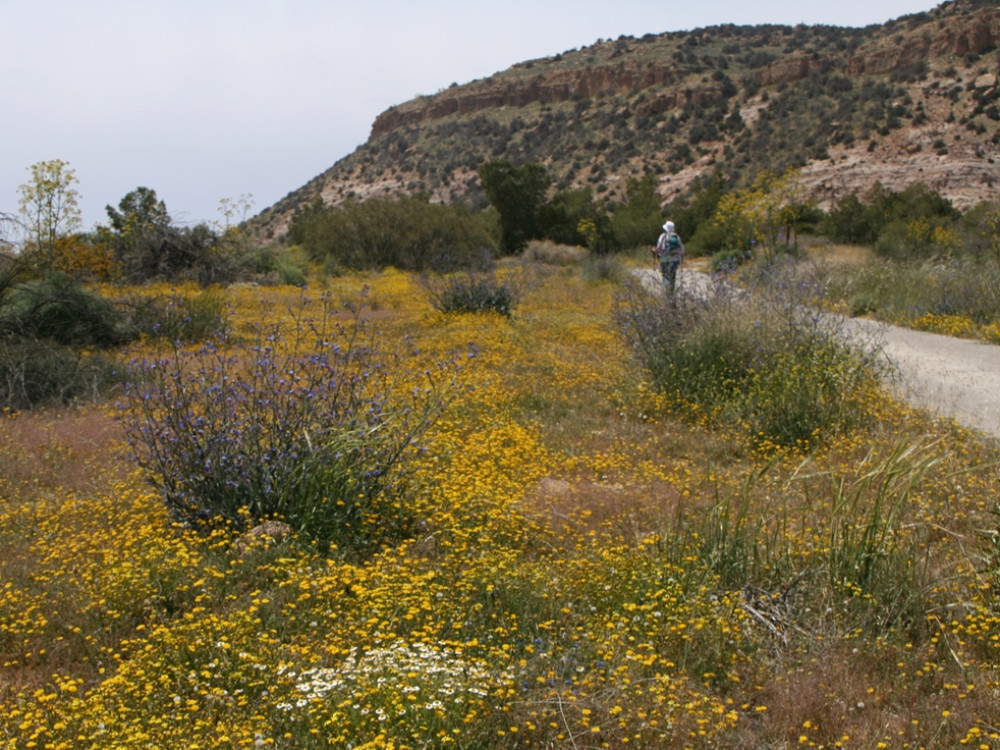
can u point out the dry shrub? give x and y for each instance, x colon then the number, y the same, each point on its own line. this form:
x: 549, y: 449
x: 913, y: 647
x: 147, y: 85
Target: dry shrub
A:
x: 552, y: 253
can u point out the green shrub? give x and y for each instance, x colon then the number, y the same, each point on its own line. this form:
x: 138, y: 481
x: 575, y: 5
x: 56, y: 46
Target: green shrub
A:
x: 37, y: 373
x: 60, y: 309
x: 552, y: 253
x: 473, y: 293
x: 318, y: 427
x: 407, y: 233
x: 604, y: 268
x: 177, y: 318
x: 758, y: 358
x: 727, y: 260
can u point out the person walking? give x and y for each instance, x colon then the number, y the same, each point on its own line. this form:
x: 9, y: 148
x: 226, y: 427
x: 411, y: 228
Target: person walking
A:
x: 670, y: 252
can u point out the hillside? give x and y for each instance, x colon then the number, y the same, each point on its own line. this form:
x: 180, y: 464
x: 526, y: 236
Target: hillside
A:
x: 911, y: 100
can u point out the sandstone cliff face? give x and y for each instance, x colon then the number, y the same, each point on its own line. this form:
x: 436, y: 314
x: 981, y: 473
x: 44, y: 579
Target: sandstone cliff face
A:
x: 973, y: 35
x: 542, y: 88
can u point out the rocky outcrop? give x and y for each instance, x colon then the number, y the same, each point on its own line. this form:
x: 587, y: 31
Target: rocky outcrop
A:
x: 540, y: 88
x: 788, y: 69
x: 960, y: 36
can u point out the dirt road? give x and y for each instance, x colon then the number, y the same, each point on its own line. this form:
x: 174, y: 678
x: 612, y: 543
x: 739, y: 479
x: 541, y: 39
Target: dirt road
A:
x: 951, y: 377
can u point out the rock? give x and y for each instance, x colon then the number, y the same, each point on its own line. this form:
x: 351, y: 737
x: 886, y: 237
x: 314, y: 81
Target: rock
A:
x: 262, y: 535
x: 986, y: 81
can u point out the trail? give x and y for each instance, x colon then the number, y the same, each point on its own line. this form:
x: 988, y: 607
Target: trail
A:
x: 949, y: 377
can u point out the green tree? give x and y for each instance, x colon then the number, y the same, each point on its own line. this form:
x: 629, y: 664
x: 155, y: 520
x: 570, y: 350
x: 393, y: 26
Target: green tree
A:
x: 694, y: 210
x: 573, y: 217
x: 517, y: 194
x: 637, y: 221
x: 50, y: 206
x: 764, y: 215
x: 148, y: 246
x: 139, y: 230
x: 850, y: 220
x: 408, y: 233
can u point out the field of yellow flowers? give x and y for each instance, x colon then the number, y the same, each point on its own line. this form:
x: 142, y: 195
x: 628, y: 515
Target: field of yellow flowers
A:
x: 590, y: 571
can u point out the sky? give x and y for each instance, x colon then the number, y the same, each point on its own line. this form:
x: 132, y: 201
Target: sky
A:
x: 204, y: 100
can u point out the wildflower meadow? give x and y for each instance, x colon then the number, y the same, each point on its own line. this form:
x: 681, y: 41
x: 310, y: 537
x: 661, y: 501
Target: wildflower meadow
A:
x: 505, y: 530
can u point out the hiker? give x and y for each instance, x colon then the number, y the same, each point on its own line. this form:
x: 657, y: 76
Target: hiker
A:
x: 670, y: 252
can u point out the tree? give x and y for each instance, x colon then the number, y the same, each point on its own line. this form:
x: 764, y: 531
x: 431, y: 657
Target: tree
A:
x: 148, y: 246
x: 573, y: 217
x: 517, y: 194
x: 637, y: 222
x: 140, y: 230
x: 693, y: 212
x: 50, y: 206
x: 764, y: 215
x: 232, y: 230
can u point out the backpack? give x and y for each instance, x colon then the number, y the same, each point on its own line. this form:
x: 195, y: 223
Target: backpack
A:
x: 671, y: 247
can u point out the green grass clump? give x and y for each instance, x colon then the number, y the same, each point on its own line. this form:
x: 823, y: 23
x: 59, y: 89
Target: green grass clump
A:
x: 758, y: 358
x: 474, y: 293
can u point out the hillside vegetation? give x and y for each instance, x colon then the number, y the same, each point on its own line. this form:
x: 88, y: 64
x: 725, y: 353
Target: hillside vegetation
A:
x: 913, y: 99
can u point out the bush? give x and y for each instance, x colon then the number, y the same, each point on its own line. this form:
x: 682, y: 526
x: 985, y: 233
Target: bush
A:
x: 604, y: 268
x: 318, y: 427
x: 473, y: 293
x: 40, y: 373
x: 727, y: 260
x: 408, y: 233
x: 177, y: 318
x: 58, y: 308
x: 759, y: 359
x: 552, y: 253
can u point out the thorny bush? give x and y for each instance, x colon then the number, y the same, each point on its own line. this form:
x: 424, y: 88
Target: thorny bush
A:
x: 319, y: 427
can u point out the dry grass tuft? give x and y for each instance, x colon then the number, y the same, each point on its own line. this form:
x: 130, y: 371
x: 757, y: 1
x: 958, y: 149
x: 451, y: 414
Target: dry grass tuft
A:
x: 554, y: 254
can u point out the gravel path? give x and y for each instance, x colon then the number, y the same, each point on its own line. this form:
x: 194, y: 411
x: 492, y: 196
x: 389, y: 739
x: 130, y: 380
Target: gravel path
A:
x: 955, y: 378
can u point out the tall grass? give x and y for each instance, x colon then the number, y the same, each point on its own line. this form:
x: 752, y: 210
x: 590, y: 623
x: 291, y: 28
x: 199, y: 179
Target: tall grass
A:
x: 907, y: 293
x: 859, y: 550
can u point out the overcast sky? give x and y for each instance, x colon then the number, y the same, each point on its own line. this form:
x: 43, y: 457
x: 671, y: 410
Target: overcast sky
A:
x: 208, y: 99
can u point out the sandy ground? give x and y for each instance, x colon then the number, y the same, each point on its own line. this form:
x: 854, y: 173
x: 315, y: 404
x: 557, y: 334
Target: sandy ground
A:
x: 955, y: 378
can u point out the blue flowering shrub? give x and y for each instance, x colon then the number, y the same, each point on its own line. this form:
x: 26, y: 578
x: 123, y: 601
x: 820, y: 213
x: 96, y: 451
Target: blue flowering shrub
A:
x: 314, y: 424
